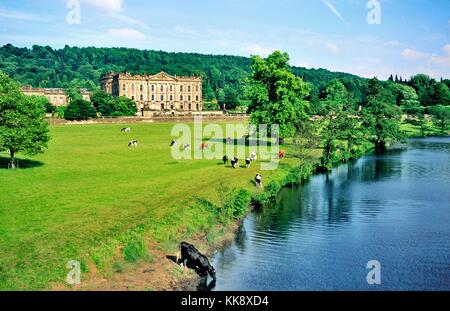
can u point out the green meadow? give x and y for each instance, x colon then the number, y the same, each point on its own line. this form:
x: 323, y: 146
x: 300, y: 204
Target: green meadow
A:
x: 91, y: 198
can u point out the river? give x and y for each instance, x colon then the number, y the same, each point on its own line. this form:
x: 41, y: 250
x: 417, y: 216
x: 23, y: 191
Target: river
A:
x: 393, y: 208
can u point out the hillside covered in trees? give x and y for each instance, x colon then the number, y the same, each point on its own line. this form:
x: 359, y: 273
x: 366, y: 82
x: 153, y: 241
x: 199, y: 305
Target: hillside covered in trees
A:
x: 223, y: 75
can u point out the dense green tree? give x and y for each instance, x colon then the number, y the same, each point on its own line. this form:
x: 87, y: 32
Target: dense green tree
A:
x: 424, y: 86
x: 442, y: 94
x: 441, y: 117
x: 277, y: 95
x: 22, y: 121
x: 79, y: 109
x: 380, y: 115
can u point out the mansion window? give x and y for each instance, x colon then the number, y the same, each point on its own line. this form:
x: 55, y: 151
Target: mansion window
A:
x: 181, y: 97
x: 181, y: 107
x: 162, y: 106
x: 171, y: 107
x: 60, y: 100
x: 189, y: 88
x: 142, y: 88
x: 142, y: 97
x: 153, y: 97
x: 171, y: 87
x: 132, y: 97
x: 189, y: 97
x: 124, y: 87
x: 198, y: 107
x: 162, y: 88
x: 132, y: 88
x: 190, y: 106
x: 162, y: 97
x: 153, y: 87
x: 171, y: 97
x: 196, y: 88
x: 196, y: 98
x: 181, y: 88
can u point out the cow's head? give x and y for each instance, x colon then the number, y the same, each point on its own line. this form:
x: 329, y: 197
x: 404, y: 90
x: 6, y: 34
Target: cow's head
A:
x: 212, y: 272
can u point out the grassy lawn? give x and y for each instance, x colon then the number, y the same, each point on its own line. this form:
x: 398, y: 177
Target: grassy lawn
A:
x: 90, y: 194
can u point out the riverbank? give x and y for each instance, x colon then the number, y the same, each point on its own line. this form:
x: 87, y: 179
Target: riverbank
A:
x: 120, y: 212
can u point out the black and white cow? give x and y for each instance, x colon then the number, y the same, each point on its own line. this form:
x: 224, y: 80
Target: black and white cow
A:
x: 126, y: 130
x: 235, y: 162
x: 247, y: 162
x: 133, y: 143
x: 186, y: 147
x: 258, y: 180
x: 173, y: 143
x: 225, y: 159
x: 192, y: 258
x: 253, y: 156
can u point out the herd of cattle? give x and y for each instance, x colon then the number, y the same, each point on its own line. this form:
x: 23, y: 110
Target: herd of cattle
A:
x: 188, y: 255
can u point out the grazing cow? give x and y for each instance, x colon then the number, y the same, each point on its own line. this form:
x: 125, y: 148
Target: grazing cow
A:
x: 235, y: 162
x: 186, y: 147
x: 247, y: 162
x: 133, y: 143
x: 225, y: 159
x: 173, y: 143
x: 204, y: 146
x: 258, y: 180
x: 253, y: 156
x: 125, y: 130
x: 281, y: 154
x: 192, y: 258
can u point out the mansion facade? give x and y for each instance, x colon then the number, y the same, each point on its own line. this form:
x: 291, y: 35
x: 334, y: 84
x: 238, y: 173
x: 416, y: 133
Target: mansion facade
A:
x: 159, y: 92
x: 56, y: 96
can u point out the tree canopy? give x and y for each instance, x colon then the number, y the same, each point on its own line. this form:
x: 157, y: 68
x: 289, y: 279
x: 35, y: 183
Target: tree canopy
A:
x: 22, y: 124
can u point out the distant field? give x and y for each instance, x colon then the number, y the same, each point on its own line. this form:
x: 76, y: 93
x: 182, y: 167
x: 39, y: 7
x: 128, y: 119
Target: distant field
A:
x: 82, y: 197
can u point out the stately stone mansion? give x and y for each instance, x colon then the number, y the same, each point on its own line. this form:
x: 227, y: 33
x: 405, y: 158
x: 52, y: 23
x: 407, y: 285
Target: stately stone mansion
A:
x: 56, y: 96
x: 159, y: 92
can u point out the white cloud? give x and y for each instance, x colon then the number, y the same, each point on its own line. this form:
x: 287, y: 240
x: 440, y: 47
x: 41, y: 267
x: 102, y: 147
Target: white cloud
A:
x: 392, y: 43
x: 442, y: 60
x: 126, y: 33
x: 17, y: 15
x: 106, y: 5
x: 256, y: 49
x: 333, y: 48
x: 413, y: 55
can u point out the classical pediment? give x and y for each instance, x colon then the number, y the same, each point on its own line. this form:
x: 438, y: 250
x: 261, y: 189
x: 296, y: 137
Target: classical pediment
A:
x: 163, y: 76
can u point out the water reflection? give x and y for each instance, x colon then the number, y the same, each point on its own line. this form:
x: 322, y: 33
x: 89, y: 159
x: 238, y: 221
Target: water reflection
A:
x: 392, y: 207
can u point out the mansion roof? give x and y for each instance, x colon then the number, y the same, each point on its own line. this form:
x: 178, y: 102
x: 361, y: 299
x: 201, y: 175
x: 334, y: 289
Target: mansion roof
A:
x: 161, y: 76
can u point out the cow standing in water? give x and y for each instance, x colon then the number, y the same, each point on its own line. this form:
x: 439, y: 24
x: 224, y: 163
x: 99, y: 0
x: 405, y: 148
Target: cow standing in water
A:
x: 192, y: 258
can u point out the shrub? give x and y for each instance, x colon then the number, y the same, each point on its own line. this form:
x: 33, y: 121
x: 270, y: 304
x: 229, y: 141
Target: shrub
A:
x: 135, y: 247
x: 79, y: 109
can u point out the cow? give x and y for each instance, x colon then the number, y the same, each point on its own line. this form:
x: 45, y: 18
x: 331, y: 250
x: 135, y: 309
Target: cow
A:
x: 234, y: 162
x: 192, y: 258
x: 125, y: 130
x: 229, y: 140
x: 133, y: 143
x: 281, y: 154
x: 173, y: 143
x: 225, y: 159
x: 253, y: 156
x: 258, y: 180
x: 247, y: 162
x: 186, y: 147
x: 204, y: 146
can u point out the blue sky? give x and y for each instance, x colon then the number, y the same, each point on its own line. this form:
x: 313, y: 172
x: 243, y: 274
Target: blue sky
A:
x: 413, y: 36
